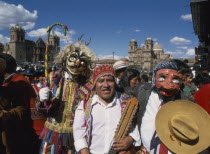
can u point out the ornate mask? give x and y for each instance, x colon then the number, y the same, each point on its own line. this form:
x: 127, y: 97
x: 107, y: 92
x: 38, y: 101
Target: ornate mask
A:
x: 167, y: 81
x: 77, y: 61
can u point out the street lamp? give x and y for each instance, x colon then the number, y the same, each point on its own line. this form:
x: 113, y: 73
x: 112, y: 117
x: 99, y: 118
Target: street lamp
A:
x: 113, y: 56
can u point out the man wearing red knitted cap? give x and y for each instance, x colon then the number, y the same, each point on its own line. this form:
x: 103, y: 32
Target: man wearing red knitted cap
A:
x: 96, y: 118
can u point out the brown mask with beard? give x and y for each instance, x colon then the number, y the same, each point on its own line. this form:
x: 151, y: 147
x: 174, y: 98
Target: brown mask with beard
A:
x: 167, y: 82
x: 77, y: 62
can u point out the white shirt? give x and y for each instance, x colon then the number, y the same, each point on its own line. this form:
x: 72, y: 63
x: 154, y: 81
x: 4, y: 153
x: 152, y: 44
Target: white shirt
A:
x: 117, y: 80
x: 104, y: 123
x: 148, y: 121
x: 39, y: 85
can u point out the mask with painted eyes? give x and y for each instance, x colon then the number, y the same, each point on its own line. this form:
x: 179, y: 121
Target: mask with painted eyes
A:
x: 76, y: 62
x: 167, y: 82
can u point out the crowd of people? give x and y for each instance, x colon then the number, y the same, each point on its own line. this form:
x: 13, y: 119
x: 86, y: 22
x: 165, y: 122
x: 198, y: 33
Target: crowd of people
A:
x: 79, y: 108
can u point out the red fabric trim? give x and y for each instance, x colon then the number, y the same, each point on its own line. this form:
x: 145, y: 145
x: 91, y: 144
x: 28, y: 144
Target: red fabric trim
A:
x: 36, y: 89
x: 163, y: 149
x: 202, y: 97
x: 38, y: 125
x: 15, y: 78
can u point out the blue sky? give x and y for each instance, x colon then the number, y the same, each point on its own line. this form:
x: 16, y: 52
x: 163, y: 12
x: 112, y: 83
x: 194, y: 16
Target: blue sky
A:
x: 111, y: 24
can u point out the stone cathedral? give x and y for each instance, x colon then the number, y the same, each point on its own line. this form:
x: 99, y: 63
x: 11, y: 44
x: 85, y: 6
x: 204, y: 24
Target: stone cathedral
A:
x: 146, y: 56
x: 29, y: 51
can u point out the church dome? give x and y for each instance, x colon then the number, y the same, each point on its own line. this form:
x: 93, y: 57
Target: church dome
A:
x: 157, y: 46
x: 17, y: 28
x: 133, y: 40
x: 149, y: 38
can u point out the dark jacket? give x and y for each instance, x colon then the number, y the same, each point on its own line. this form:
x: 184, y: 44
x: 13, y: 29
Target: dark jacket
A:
x: 17, y: 133
x: 142, y: 91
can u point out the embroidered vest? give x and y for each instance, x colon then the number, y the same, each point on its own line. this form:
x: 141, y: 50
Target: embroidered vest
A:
x: 60, y: 131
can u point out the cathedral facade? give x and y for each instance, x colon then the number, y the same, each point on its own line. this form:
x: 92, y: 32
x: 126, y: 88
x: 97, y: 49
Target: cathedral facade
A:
x: 29, y: 51
x: 146, y: 56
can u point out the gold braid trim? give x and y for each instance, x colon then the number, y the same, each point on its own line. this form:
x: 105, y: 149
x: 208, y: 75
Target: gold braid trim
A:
x: 58, y: 128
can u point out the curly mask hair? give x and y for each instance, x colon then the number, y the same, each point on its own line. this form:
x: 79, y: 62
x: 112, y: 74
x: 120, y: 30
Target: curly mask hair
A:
x: 77, y: 61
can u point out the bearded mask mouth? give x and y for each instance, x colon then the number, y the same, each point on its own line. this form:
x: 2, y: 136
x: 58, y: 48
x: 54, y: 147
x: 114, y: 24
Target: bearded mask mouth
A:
x: 167, y: 92
x: 76, y: 70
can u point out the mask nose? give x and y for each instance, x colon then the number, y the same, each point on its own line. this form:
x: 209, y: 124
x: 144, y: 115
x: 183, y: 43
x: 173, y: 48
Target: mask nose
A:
x: 169, y: 84
x: 78, y: 63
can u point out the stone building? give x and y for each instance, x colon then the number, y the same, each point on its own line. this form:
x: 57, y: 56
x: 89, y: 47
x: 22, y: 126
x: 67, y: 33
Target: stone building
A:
x: 29, y: 51
x: 146, y: 56
x: 200, y: 10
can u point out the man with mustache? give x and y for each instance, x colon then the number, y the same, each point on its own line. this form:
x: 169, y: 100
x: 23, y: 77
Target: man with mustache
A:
x: 96, y: 118
x: 165, y: 87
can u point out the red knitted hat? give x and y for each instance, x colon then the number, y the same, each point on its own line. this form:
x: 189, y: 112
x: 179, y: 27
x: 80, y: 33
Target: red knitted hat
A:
x: 102, y: 70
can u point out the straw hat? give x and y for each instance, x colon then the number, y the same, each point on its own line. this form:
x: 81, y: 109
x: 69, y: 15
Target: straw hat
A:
x: 183, y: 126
x: 119, y: 65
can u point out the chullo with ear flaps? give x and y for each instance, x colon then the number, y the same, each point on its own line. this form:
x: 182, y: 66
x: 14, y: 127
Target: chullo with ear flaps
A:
x: 76, y: 60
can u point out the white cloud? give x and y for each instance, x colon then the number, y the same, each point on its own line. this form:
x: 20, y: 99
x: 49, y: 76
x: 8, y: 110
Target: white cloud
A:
x: 190, y: 52
x: 137, y: 30
x: 116, y: 57
x: 183, y: 47
x: 155, y: 39
x: 175, y: 54
x: 180, y: 41
x: 11, y: 15
x: 182, y: 52
x: 42, y: 33
x: 4, y: 39
x: 29, y: 25
x: 38, y: 33
x: 65, y: 39
x: 186, y: 17
x: 71, y: 32
x: 119, y: 31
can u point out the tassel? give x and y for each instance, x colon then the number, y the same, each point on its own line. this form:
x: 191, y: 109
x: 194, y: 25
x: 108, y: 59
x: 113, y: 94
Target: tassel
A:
x: 65, y: 139
x: 46, y: 148
x: 55, y: 149
x: 49, y: 136
x: 52, y: 148
x: 58, y: 139
x: 45, y: 134
x: 42, y: 147
x: 61, y: 139
x: 69, y: 139
x: 55, y: 136
x: 58, y: 149
x: 42, y: 133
